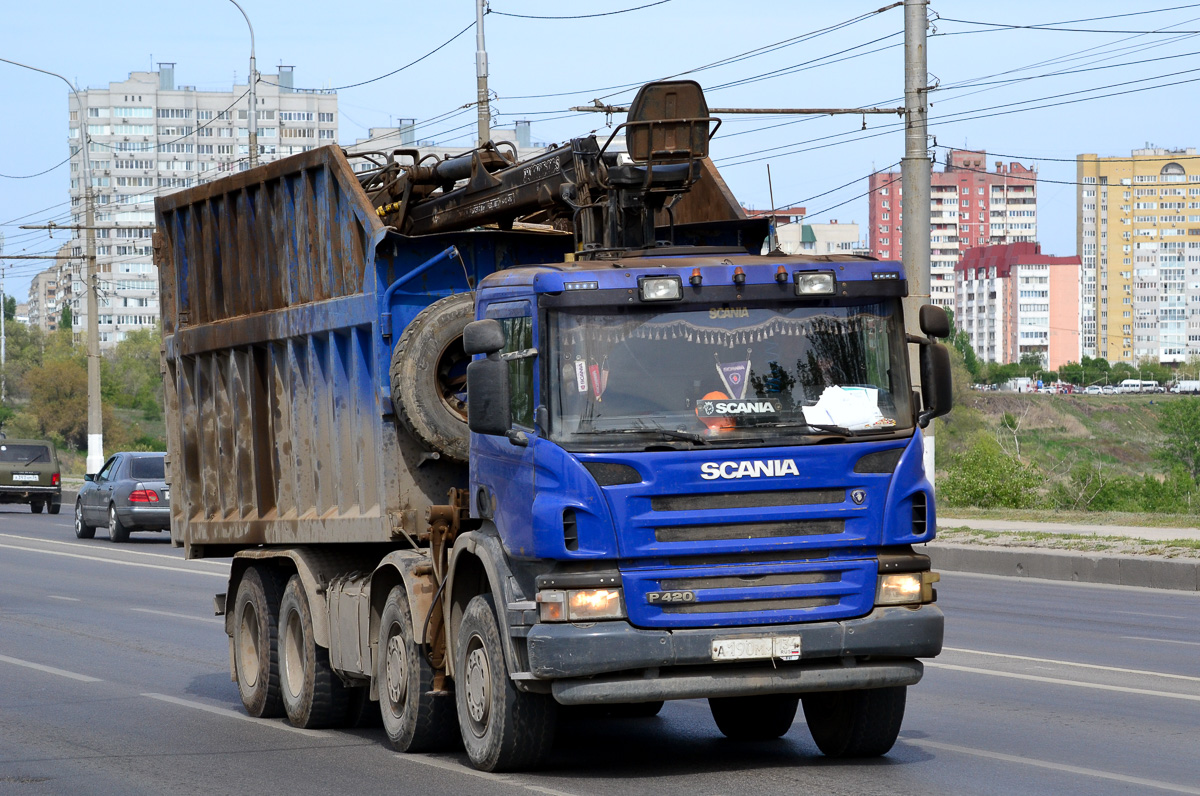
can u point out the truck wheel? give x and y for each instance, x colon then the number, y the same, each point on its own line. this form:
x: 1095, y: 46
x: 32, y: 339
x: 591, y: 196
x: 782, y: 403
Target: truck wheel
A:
x: 313, y: 695
x: 855, y: 723
x: 82, y: 529
x: 117, y: 530
x: 429, y: 376
x: 55, y: 508
x: 754, y: 718
x: 502, y: 728
x: 35, y: 506
x: 414, y: 720
x: 255, y: 649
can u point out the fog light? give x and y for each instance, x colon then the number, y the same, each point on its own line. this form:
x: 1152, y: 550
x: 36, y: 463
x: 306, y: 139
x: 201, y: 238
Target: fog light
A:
x: 660, y: 288
x: 580, y: 605
x: 899, y: 589
x: 814, y: 284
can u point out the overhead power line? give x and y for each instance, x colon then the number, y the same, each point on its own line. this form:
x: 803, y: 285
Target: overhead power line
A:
x: 578, y: 16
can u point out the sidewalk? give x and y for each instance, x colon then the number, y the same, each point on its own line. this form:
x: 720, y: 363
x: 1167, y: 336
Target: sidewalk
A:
x: 1151, y: 571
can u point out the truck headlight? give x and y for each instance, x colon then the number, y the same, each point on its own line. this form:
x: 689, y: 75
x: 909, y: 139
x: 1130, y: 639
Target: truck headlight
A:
x: 580, y: 605
x: 660, y: 288
x: 906, y: 588
x: 814, y: 284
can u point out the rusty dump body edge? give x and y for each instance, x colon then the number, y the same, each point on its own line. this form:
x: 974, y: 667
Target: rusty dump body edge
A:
x: 277, y: 432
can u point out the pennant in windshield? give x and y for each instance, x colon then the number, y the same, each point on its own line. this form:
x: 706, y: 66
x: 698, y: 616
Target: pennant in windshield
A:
x: 734, y: 374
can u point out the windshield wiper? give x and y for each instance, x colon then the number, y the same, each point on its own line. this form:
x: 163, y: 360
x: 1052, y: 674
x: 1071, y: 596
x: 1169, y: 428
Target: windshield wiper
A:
x: 841, y: 431
x: 669, y: 433
x: 34, y: 459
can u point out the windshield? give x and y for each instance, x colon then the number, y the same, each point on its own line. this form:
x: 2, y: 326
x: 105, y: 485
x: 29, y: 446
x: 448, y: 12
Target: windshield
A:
x: 728, y: 375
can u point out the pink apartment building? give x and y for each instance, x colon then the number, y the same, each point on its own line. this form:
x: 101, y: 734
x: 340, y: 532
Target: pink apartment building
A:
x: 1013, y: 300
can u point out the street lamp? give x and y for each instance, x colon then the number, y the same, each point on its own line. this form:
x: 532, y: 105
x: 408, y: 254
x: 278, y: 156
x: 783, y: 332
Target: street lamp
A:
x: 253, y: 82
x: 95, y: 447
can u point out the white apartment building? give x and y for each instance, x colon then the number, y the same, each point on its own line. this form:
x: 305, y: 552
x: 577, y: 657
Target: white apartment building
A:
x: 831, y: 238
x: 146, y: 137
x: 405, y: 135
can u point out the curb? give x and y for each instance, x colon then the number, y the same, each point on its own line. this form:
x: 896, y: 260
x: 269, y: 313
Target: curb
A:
x: 1144, y: 571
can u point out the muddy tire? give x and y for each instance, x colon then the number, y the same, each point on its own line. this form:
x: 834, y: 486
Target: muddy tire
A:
x: 754, y: 718
x: 429, y: 376
x: 415, y: 720
x: 855, y: 723
x: 313, y: 695
x: 503, y: 729
x: 255, y: 647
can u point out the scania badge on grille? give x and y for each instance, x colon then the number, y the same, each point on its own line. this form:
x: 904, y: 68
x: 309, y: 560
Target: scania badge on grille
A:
x: 858, y: 496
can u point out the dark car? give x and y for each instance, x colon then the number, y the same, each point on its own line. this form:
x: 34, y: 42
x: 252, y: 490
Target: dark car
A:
x: 129, y: 493
x: 29, y: 474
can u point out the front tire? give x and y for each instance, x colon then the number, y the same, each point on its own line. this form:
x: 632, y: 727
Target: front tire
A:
x: 82, y: 529
x: 117, y: 530
x: 414, y: 720
x: 313, y: 695
x: 855, y: 723
x: 502, y: 728
x: 255, y: 648
x: 754, y: 718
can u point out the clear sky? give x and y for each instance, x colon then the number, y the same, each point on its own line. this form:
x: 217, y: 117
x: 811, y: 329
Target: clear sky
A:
x: 767, y: 56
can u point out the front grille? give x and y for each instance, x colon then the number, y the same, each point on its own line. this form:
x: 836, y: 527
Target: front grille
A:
x: 738, y: 559
x: 747, y: 581
x: 920, y: 511
x: 747, y: 500
x: 748, y: 530
x: 741, y: 606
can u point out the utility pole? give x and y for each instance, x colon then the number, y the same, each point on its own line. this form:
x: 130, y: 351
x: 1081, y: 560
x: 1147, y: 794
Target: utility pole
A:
x: 95, y: 452
x: 3, y: 337
x: 253, y: 80
x: 481, y: 76
x: 914, y: 180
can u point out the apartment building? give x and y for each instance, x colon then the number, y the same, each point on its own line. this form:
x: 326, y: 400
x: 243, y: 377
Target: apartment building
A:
x: 148, y: 136
x: 406, y: 135
x: 831, y: 238
x: 969, y: 207
x: 45, y: 309
x: 1013, y: 300
x: 1138, y: 231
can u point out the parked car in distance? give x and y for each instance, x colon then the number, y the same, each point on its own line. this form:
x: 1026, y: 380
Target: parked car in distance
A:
x: 29, y: 474
x: 1109, y: 389
x: 129, y: 494
x: 1093, y: 389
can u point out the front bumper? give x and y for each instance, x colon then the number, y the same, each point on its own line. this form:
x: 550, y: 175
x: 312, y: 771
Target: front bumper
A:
x: 620, y: 660
x: 147, y: 519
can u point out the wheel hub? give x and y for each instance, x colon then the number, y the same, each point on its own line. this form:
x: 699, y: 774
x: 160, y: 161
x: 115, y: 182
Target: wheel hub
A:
x: 293, y: 656
x: 397, y: 671
x: 247, y: 649
x: 478, y: 685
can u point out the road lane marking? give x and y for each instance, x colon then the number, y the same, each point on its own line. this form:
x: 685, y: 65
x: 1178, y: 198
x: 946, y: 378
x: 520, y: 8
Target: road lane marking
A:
x: 1156, y: 616
x: 459, y: 768
x: 60, y: 597
x: 77, y: 545
x: 233, y: 714
x: 193, y: 617
x: 1081, y: 665
x: 1059, y: 681
x: 114, y: 561
x: 83, y: 678
x: 1062, y: 767
x: 1163, y: 640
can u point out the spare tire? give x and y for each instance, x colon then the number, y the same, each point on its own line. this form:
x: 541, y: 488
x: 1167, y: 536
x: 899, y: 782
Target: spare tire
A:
x: 429, y: 376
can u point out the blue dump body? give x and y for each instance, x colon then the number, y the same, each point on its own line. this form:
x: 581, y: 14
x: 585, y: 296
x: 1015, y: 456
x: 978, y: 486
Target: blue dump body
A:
x: 688, y: 471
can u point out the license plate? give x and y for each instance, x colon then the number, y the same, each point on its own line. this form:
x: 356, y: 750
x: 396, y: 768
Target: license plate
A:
x: 25, y: 476
x: 744, y: 649
x: 167, y: 495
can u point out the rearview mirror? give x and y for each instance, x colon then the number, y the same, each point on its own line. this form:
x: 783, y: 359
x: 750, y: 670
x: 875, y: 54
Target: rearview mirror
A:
x: 937, y: 393
x: 483, y: 337
x: 934, y: 322
x: 89, y: 477
x: 488, y: 410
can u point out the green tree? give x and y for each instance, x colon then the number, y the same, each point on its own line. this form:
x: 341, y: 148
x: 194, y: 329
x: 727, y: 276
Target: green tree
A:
x: 66, y: 319
x: 130, y: 376
x: 1179, y: 422
x: 10, y: 308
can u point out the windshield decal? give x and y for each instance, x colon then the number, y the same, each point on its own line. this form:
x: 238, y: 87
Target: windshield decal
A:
x: 733, y: 374
x: 581, y: 376
x: 731, y: 408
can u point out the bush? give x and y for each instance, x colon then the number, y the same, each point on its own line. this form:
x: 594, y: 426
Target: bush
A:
x: 987, y: 477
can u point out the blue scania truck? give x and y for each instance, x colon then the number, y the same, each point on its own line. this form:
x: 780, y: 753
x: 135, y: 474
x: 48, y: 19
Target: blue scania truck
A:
x: 488, y: 440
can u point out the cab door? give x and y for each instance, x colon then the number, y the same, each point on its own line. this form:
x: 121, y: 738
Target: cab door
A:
x: 504, y: 470
x: 95, y: 506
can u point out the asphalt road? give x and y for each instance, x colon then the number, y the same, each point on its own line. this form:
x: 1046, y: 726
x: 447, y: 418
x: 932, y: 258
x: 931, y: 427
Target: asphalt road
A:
x: 114, y: 678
